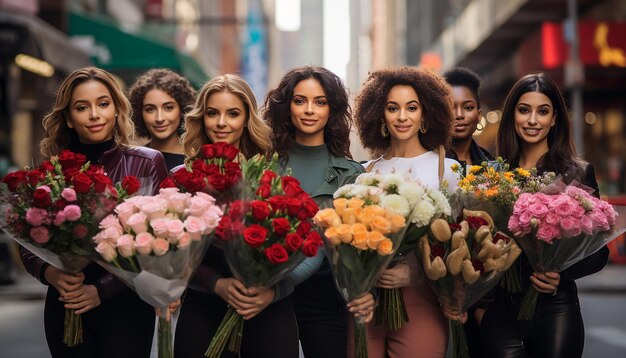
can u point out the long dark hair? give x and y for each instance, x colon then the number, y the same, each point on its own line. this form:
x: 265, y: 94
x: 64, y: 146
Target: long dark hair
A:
x: 561, y: 156
x: 277, y: 111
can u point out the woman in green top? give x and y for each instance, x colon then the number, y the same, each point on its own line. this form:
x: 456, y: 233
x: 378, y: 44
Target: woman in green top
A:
x: 310, y: 119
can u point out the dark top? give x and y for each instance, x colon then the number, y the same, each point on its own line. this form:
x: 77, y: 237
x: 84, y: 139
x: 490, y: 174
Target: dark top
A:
x: 173, y: 160
x: 118, y: 161
x: 477, y: 153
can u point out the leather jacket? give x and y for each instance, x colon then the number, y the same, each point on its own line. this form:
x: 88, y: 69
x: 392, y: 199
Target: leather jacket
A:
x: 149, y: 167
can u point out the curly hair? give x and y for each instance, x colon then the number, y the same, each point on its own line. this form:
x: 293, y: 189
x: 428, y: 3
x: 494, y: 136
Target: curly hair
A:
x: 562, y: 157
x: 435, y: 97
x: 59, y: 136
x: 168, y: 81
x: 256, y: 134
x: 463, y: 77
x: 277, y: 110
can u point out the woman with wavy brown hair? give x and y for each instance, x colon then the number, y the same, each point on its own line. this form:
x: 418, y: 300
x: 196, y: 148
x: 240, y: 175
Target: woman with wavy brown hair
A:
x: 310, y: 118
x: 226, y: 111
x: 91, y: 116
x: 402, y: 116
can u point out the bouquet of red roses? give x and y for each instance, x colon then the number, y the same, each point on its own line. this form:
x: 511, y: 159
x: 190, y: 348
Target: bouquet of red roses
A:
x: 214, y: 171
x: 54, y: 209
x: 264, y: 235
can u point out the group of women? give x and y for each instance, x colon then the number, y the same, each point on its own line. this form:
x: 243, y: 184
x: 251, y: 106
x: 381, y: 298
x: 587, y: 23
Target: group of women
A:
x: 407, y: 117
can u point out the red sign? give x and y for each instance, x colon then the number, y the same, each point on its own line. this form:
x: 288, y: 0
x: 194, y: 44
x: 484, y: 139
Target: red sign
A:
x: 601, y: 44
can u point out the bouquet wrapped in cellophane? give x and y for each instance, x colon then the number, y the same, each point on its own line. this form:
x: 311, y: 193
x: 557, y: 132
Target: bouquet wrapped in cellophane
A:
x: 54, y: 210
x: 463, y: 262
x: 560, y: 226
x: 154, y: 243
x: 364, y: 229
x: 264, y: 236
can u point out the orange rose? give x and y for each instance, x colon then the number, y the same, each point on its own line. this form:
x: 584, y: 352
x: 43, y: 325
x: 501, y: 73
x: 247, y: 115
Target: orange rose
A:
x: 397, y: 222
x: 381, y: 225
x: 349, y: 216
x: 332, y: 235
x: 366, y: 216
x: 359, y: 228
x: 377, y: 210
x: 385, y: 247
x: 359, y: 240
x: 374, y: 238
x: 355, y: 203
x: 340, y: 204
x: 345, y: 233
x: 327, y: 218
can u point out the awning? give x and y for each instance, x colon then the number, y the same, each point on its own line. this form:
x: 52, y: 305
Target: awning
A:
x: 124, y: 53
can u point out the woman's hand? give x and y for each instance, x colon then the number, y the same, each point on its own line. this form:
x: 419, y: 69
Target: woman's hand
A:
x: 247, y: 302
x: 82, y: 300
x: 451, y: 312
x: 262, y: 297
x: 363, y: 307
x: 63, y: 282
x: 395, y: 277
x: 545, y: 282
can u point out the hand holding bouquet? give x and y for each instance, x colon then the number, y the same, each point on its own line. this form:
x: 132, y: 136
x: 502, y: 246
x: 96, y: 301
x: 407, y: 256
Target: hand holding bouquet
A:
x: 154, y: 243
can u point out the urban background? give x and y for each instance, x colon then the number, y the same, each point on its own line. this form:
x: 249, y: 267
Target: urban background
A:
x: 580, y: 43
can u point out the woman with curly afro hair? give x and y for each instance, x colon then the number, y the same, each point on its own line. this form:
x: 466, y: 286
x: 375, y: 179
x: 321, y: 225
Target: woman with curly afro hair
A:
x: 160, y: 98
x: 402, y: 116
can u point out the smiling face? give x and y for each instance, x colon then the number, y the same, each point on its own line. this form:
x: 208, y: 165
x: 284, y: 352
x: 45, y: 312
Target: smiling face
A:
x: 466, y: 113
x: 309, y: 110
x: 403, y: 112
x: 534, y: 116
x: 161, y: 114
x: 225, y: 118
x: 92, y: 112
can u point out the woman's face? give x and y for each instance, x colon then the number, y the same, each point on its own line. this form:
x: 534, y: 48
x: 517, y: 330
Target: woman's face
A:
x: 534, y: 116
x: 92, y: 112
x: 225, y: 118
x: 403, y: 112
x: 309, y: 111
x: 161, y: 114
x: 466, y: 112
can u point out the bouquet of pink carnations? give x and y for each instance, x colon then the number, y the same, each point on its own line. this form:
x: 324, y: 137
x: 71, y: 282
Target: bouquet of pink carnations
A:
x: 154, y: 243
x: 54, y: 209
x: 557, y: 230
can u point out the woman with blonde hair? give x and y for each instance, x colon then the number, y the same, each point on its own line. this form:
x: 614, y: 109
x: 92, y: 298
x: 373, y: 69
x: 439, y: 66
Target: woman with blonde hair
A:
x: 226, y: 111
x: 91, y: 116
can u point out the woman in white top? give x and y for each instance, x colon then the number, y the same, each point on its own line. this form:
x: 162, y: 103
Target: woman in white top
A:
x: 402, y: 116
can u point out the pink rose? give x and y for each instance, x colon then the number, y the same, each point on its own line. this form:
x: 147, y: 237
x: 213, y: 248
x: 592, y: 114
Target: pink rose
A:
x: 184, y: 241
x: 110, y: 221
x: 138, y: 223
x: 586, y: 225
x: 166, y: 193
x: 547, y: 233
x: 524, y: 218
x: 107, y: 251
x: 59, y: 219
x: 197, y: 205
x: 110, y: 234
x: 174, y: 228
x: 212, y: 216
x: 542, y: 198
x: 126, y: 245
x: 154, y: 208
x: 514, y: 226
x: 40, y: 234
x: 552, y: 219
x: 538, y: 210
x: 196, y: 227
x: 608, y: 211
x: 143, y: 243
x: 80, y: 231
x: 124, y: 211
x: 68, y: 194
x: 600, y: 223
x: 178, y: 202
x: 208, y: 198
x: 160, y: 246
x: 35, y: 216
x: 72, y: 212
x: 570, y: 226
x: 576, y: 192
x: 159, y: 226
x: 578, y: 212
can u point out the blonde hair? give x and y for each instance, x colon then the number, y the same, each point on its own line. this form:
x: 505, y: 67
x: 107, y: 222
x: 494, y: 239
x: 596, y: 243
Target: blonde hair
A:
x: 256, y: 137
x: 59, y: 136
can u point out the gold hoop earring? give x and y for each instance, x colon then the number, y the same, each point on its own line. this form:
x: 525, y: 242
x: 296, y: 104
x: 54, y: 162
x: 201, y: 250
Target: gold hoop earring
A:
x: 384, y: 131
x: 423, y: 127
x: 479, y: 126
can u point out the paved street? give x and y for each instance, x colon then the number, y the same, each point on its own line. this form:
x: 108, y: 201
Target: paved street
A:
x: 602, y: 298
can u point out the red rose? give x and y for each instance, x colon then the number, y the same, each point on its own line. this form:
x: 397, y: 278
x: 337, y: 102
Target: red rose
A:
x: 291, y: 186
x: 221, y: 231
x: 266, y: 178
x: 200, y: 167
x: 293, y: 206
x: 309, y: 209
x: 34, y: 177
x: 82, y: 183
x: 281, y: 226
x: 15, y: 179
x: 69, y: 159
x: 264, y: 191
x: 293, y: 242
x: 168, y: 183
x: 277, y: 203
x: 233, y: 172
x: 276, y: 254
x: 208, y: 151
x: 41, y: 198
x: 255, y: 235
x: 195, y: 184
x: 437, y: 250
x: 219, y: 149
x: 260, y: 210
x: 303, y: 228
x: 70, y: 173
x: 236, y: 210
x: 475, y: 222
x: 217, y: 182
x: 231, y: 152
x: 80, y: 231
x: 46, y: 167
x: 60, y: 204
x: 181, y: 176
x: 314, y: 236
x: 100, y: 182
x: 130, y: 184
x: 311, y: 247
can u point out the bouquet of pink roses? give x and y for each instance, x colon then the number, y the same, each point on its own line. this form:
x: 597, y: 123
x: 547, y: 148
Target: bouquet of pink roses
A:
x: 154, y: 243
x: 557, y: 230
x: 54, y: 209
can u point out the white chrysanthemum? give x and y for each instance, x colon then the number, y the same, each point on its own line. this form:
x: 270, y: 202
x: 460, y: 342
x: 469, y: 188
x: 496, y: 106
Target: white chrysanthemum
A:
x: 344, y: 191
x: 374, y: 194
x: 442, y: 206
x: 391, y: 183
x: 423, y: 212
x: 411, y: 191
x: 396, y: 204
x: 369, y: 179
x: 359, y: 191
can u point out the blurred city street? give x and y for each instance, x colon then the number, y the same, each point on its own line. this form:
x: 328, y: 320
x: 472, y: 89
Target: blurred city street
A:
x: 602, y: 298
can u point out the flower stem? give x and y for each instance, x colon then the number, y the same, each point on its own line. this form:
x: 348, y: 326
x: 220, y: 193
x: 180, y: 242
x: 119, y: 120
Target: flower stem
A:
x: 360, y: 340
x: 72, y: 329
x: 459, y: 341
x: 165, y: 337
x: 529, y: 304
x: 391, y: 312
x: 224, y: 334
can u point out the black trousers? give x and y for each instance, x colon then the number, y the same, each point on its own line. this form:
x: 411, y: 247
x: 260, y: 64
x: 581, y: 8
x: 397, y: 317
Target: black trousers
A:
x: 322, y: 318
x: 120, y: 327
x: 273, y: 333
x: 557, y: 331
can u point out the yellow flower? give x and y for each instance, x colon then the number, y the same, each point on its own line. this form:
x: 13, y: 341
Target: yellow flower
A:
x: 474, y: 169
x: 470, y: 177
x: 455, y: 167
x: 523, y: 172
